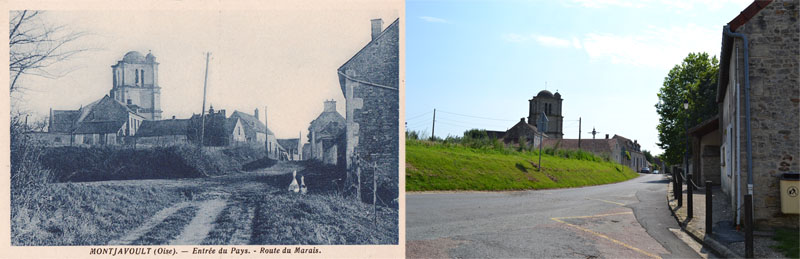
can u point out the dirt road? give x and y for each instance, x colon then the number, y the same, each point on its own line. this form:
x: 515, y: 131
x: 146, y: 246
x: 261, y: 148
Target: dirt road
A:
x: 198, y: 219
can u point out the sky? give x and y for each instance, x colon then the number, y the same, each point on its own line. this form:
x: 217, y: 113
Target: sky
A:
x: 479, y: 62
x: 284, y: 58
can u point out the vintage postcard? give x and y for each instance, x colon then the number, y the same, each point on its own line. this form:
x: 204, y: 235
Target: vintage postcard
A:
x: 204, y: 129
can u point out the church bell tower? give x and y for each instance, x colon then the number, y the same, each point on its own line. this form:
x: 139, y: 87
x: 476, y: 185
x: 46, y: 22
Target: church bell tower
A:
x: 135, y: 83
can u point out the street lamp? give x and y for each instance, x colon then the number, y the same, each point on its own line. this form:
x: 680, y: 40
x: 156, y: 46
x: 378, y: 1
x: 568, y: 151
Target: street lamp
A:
x: 689, y: 207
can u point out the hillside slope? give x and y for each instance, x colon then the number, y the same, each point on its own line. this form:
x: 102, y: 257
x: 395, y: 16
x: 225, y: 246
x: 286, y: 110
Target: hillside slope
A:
x: 434, y: 166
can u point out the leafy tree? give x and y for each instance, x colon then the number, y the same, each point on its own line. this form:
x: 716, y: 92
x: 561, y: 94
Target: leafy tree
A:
x: 695, y: 80
x: 648, y: 156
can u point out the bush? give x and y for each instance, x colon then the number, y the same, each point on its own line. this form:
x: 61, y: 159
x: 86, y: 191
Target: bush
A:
x: 75, y: 164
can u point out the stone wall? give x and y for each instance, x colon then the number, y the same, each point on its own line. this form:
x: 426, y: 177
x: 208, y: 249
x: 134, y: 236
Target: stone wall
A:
x: 774, y: 41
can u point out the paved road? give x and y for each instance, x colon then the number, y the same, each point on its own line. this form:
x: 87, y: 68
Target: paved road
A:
x: 623, y: 220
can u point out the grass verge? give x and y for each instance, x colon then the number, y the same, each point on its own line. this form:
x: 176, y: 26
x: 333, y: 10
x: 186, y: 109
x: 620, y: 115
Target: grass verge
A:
x: 788, y: 241
x: 83, y: 214
x: 434, y: 166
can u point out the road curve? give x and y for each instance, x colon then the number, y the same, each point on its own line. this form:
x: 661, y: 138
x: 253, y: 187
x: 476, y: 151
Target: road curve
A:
x: 599, y: 221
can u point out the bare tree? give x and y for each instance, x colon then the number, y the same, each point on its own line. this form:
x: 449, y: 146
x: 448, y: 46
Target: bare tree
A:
x: 36, y: 45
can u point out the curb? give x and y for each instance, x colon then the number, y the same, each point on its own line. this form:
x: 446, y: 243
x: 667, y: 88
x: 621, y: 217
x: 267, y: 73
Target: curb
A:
x: 709, y: 242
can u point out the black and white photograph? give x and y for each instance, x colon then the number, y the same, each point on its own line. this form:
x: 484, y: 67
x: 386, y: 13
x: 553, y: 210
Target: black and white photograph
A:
x: 276, y: 125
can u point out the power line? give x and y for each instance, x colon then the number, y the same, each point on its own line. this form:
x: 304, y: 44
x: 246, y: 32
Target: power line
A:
x: 417, y: 116
x: 471, y: 116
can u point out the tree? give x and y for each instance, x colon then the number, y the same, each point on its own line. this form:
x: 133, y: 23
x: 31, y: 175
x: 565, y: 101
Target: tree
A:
x: 35, y: 45
x: 648, y: 156
x: 694, y: 80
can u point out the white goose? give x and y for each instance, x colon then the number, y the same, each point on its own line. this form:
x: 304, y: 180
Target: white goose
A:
x: 303, y: 188
x: 293, y: 187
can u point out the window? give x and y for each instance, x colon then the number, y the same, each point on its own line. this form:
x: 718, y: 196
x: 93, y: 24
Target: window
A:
x: 137, y: 76
x: 57, y: 140
x: 142, y: 71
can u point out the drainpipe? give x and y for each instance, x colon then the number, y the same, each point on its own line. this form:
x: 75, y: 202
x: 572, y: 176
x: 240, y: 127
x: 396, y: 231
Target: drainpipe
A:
x: 748, y: 199
x: 748, y: 147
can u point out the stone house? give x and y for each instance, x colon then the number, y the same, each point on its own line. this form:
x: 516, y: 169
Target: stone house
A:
x: 705, y: 158
x: 326, y: 135
x: 618, y: 149
x: 370, y: 82
x: 103, y: 122
x: 163, y: 133
x: 605, y: 148
x: 257, y: 133
x: 293, y: 148
x: 520, y: 131
x: 550, y: 104
x: 759, y: 63
x: 631, y: 153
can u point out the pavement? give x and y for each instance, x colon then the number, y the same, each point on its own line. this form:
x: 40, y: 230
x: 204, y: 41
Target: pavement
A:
x: 725, y: 240
x: 621, y: 220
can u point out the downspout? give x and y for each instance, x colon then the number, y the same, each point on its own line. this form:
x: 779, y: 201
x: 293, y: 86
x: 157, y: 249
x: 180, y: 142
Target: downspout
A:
x: 738, y: 144
x: 748, y: 147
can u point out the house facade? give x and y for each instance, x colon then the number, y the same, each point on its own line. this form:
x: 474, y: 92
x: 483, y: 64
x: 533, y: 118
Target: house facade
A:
x: 765, y: 72
x: 370, y: 83
x: 103, y: 122
x: 326, y: 135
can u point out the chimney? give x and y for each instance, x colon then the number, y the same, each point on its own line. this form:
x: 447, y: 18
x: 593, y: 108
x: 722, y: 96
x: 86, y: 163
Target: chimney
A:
x: 255, y: 114
x: 606, y: 136
x: 377, y: 25
x: 330, y: 106
x: 522, y: 119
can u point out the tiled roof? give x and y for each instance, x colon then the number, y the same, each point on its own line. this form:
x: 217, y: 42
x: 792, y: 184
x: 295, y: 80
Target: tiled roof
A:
x: 99, y: 127
x: 163, y: 128
x: 63, y: 121
x: 105, y: 115
x: 251, y: 123
x: 326, y: 118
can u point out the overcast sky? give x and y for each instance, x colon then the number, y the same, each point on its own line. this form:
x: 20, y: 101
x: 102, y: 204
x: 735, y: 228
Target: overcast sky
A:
x: 607, y: 58
x: 285, y: 59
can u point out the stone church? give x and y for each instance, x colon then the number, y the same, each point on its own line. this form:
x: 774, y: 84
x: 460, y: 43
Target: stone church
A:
x: 550, y: 104
x: 135, y: 84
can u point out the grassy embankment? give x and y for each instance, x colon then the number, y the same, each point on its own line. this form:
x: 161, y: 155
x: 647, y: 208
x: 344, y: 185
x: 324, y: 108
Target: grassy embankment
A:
x: 439, y: 166
x: 48, y: 209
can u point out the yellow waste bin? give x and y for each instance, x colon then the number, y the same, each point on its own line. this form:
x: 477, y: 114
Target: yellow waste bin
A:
x: 790, y: 193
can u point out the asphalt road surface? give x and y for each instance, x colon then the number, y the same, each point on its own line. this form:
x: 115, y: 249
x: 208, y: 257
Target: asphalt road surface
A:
x: 622, y: 220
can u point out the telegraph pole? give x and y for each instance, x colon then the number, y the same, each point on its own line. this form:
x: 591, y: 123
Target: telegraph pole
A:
x: 203, y: 112
x: 433, y: 128
x: 579, y: 133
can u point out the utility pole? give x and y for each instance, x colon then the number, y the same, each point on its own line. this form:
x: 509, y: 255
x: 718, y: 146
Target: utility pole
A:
x: 543, y: 122
x: 433, y: 128
x: 266, y: 132
x: 579, y: 133
x: 203, y: 112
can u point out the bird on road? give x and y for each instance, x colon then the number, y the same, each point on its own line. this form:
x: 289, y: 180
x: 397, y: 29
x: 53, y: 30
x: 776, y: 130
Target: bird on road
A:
x: 293, y: 187
x: 303, y: 188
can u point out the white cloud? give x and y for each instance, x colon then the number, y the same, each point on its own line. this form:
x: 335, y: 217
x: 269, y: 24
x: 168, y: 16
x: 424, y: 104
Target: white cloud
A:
x: 434, y: 19
x: 547, y: 41
x: 654, y: 47
x: 576, y: 43
x: 661, y: 48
